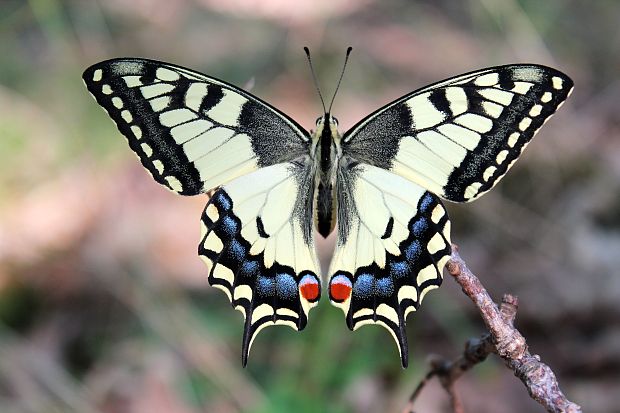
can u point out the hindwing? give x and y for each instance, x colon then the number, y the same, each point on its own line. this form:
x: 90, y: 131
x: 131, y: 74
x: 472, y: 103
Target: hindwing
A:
x: 458, y: 138
x: 393, y: 242
x: 190, y: 131
x: 258, y: 243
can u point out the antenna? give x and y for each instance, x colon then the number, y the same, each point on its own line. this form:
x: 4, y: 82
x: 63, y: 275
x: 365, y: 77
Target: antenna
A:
x: 316, y: 82
x: 344, y: 66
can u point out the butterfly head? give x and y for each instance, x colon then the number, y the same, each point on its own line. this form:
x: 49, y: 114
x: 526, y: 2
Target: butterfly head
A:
x: 327, y: 120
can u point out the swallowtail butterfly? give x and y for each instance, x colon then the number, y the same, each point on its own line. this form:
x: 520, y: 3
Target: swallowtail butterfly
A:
x: 272, y: 182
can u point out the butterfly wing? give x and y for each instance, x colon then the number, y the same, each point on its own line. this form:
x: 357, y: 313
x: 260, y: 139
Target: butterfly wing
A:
x: 258, y: 243
x: 393, y: 242
x: 194, y: 133
x: 190, y: 131
x: 458, y: 138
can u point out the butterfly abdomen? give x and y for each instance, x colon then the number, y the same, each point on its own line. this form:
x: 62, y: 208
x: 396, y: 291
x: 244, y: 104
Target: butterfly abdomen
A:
x: 325, y: 209
x: 325, y: 137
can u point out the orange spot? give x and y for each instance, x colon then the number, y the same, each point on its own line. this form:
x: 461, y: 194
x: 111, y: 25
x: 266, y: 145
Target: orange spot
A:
x: 309, y: 289
x: 340, y: 289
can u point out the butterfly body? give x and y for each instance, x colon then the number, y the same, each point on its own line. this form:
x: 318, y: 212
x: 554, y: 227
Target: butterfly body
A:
x: 272, y: 184
x: 327, y: 151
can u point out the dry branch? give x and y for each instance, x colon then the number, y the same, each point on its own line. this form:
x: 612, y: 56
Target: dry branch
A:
x: 504, y: 340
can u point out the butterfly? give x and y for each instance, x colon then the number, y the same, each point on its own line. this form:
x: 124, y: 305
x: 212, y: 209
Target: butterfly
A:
x: 272, y: 183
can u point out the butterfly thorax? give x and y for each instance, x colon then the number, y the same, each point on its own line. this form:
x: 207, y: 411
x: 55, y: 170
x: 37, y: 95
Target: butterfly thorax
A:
x: 326, y: 151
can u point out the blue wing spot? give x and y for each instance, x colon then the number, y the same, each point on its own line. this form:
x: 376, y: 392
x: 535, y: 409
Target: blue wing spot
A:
x: 236, y: 250
x: 426, y: 203
x: 266, y: 286
x: 399, y: 269
x: 222, y: 200
x: 249, y: 269
x: 419, y: 226
x: 363, y: 285
x: 286, y: 287
x: 384, y: 287
x: 229, y: 225
x: 413, y: 251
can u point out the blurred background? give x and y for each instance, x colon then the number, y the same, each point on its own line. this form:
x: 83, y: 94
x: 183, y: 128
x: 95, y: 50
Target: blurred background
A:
x: 104, y: 303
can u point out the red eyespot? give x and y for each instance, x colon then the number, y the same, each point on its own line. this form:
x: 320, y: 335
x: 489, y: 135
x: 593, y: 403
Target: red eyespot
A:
x: 340, y: 288
x: 309, y: 288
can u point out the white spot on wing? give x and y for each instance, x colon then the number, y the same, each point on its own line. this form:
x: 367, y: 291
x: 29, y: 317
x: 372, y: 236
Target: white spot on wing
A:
x: 157, y: 89
x: 501, y: 157
x: 457, y: 99
x: 424, y: 114
x: 137, y: 132
x: 224, y: 273
x: 489, y: 79
x: 497, y: 95
x: 363, y: 312
x: 407, y: 291
x: 228, y: 109
x: 442, y: 146
x: 206, y: 142
x: 261, y: 311
x: 427, y: 273
x: 132, y: 81
x: 147, y: 149
x: 522, y: 87
x: 213, y: 243
x: 557, y: 82
x: 189, y: 130
x: 388, y: 312
x: 166, y: 74
x: 436, y: 243
x: 160, y: 103
x: 126, y: 115
x: 176, y: 116
x: 286, y: 312
x: 437, y: 213
x: 174, y: 183
x: 159, y: 166
x: 196, y: 92
x: 243, y: 291
x: 212, y: 213
x: 525, y: 123
x: 97, y: 75
x: 492, y: 109
x: 535, y: 111
x: 546, y: 97
x: 475, y: 122
x: 513, y: 138
x: 488, y: 173
x: 472, y: 190
x: 117, y: 102
x: 463, y: 136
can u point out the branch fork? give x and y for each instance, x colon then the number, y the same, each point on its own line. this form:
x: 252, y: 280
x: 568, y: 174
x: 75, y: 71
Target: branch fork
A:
x: 502, y: 339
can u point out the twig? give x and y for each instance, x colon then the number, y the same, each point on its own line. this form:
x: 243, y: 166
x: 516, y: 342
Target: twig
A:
x: 504, y: 340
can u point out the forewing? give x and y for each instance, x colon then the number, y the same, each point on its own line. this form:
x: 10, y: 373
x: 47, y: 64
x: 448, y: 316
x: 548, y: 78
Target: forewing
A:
x: 393, y: 242
x: 258, y: 243
x: 190, y: 131
x: 459, y: 137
